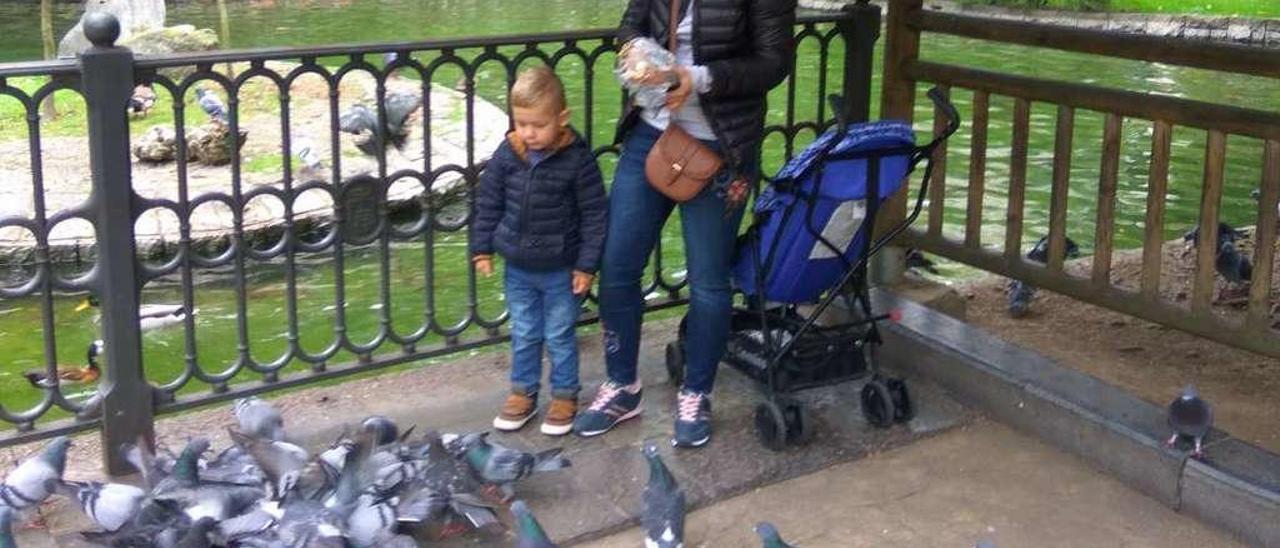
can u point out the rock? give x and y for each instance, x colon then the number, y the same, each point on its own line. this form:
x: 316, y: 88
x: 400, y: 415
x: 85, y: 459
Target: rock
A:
x: 157, y: 145
x: 134, y: 16
x: 175, y: 39
x: 210, y: 144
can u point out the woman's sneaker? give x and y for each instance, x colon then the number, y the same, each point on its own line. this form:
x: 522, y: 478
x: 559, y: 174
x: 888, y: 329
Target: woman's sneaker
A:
x: 613, y: 404
x: 516, y: 411
x: 559, y: 418
x: 693, y: 419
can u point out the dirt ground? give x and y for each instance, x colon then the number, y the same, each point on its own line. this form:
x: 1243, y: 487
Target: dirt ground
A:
x: 982, y: 482
x: 1149, y: 360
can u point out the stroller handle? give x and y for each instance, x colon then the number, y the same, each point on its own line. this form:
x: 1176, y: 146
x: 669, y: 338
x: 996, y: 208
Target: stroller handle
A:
x: 949, y: 110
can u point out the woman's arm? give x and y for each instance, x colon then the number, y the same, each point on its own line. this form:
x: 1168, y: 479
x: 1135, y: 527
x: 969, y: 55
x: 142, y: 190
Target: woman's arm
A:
x: 772, y: 45
x: 635, y: 21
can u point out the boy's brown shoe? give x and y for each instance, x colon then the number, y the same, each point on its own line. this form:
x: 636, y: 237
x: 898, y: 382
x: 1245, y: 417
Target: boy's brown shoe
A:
x: 516, y: 411
x: 559, y: 419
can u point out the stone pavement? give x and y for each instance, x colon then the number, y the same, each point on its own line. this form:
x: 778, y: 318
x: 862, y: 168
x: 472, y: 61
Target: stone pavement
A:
x: 983, y: 481
x: 601, y: 492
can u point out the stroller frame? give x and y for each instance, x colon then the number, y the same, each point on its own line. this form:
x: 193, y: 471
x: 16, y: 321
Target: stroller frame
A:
x: 785, y: 351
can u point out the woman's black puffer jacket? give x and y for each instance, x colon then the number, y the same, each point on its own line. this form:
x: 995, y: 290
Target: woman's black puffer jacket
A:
x: 746, y: 45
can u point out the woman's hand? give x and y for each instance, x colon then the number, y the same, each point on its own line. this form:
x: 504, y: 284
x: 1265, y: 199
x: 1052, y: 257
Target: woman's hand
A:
x: 677, y: 96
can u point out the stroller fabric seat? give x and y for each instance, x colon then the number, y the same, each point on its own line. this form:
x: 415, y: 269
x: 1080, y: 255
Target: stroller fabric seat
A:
x: 810, y: 225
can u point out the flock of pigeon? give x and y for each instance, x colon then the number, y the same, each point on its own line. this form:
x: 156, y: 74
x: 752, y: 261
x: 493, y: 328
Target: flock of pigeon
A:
x: 374, y: 486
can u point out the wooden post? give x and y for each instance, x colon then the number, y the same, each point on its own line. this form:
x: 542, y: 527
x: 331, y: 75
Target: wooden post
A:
x: 897, y: 102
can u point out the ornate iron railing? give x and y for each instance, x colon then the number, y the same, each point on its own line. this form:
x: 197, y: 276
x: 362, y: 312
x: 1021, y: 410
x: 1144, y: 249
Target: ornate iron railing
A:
x: 153, y: 228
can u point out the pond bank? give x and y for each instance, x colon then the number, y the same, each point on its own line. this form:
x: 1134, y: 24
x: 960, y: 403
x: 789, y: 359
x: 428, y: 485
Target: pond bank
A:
x: 1237, y: 30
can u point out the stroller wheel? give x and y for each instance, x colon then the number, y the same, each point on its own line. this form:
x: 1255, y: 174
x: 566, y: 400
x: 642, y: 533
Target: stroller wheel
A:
x: 675, y: 363
x: 877, y: 404
x: 771, y: 426
x: 903, y: 408
x: 799, y: 427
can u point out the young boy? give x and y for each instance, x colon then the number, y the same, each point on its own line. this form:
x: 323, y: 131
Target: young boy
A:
x: 541, y: 205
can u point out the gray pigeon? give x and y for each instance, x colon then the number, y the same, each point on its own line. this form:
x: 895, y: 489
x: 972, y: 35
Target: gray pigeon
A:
x: 384, y: 430
x: 259, y: 418
x: 769, y: 537
x: 1022, y: 293
x: 186, y: 468
x: 6, y: 528
x: 529, y: 533
x: 110, y: 505
x: 502, y: 466
x: 1190, y: 417
x: 211, y: 105
x: 451, y: 481
x: 37, y: 477
x: 363, y: 120
x: 663, y: 517
x: 198, y: 535
x: 276, y: 458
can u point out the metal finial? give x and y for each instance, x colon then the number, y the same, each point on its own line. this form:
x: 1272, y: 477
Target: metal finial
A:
x: 102, y: 29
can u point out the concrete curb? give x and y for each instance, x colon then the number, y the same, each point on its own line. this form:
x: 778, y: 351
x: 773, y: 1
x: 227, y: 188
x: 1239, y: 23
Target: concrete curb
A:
x: 1236, y: 487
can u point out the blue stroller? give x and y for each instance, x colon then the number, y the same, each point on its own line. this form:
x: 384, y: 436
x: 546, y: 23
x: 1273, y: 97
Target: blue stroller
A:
x: 810, y: 242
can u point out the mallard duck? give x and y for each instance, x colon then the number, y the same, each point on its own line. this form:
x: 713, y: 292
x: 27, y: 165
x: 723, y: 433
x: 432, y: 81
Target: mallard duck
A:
x: 39, y: 378
x: 150, y: 316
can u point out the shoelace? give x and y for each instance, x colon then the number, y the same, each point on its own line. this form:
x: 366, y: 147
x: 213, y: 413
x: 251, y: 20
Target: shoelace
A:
x: 607, y: 392
x: 690, y: 406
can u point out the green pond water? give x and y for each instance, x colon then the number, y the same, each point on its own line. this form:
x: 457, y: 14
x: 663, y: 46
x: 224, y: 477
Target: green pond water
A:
x: 298, y: 22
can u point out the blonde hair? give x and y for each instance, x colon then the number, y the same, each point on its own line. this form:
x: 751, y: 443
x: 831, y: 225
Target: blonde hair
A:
x: 538, y: 87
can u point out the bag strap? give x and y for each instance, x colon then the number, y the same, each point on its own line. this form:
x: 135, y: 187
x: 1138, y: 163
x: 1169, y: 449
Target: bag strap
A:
x: 672, y: 25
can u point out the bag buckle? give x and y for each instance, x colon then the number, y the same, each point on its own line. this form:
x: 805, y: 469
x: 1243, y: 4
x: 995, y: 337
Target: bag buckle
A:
x: 675, y: 166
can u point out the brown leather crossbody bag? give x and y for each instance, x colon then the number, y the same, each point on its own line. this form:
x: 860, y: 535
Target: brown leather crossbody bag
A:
x: 679, y: 165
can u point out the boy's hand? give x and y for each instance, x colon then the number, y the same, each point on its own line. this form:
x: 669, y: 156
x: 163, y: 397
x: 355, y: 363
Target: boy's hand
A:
x: 582, y: 282
x: 484, y: 264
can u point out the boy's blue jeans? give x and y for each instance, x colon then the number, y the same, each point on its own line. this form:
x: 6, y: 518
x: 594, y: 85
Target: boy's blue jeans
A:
x: 636, y: 215
x: 543, y: 311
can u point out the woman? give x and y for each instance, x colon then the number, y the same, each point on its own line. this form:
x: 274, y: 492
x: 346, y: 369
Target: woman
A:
x: 730, y: 53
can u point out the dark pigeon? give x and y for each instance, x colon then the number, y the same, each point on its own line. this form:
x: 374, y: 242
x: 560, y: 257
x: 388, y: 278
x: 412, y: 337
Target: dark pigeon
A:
x: 769, y: 537
x: 1022, y: 293
x: 500, y: 465
x: 6, y: 528
x: 917, y: 261
x: 1190, y: 417
x: 1232, y: 265
x: 664, y: 505
x: 363, y: 120
x: 198, y: 535
x: 529, y: 533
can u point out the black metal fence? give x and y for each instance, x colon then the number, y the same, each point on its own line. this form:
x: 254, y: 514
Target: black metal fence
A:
x: 350, y: 216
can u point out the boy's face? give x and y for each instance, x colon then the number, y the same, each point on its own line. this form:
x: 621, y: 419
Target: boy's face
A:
x: 539, y: 127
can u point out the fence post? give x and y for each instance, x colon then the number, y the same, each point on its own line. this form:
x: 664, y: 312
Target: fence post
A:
x: 897, y: 102
x: 107, y: 72
x: 860, y: 28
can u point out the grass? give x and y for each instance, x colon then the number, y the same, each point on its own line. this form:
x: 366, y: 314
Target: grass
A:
x: 1242, y: 8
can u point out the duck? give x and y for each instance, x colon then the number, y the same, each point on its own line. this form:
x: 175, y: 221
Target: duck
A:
x: 150, y: 316
x: 39, y: 378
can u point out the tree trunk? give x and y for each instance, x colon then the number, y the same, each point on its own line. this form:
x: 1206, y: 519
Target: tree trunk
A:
x: 224, y: 30
x: 50, y: 49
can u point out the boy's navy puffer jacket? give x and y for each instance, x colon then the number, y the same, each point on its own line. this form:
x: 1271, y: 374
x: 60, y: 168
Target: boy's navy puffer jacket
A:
x: 541, y: 216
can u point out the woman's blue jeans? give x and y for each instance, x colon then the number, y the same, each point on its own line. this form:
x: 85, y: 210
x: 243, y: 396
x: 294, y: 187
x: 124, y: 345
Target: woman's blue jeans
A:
x: 636, y: 215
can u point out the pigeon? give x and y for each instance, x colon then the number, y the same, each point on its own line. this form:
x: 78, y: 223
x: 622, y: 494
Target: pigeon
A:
x: 275, y: 458
x: 917, y: 261
x: 157, y: 523
x: 37, y: 477
x: 502, y: 466
x: 303, y: 149
x: 1226, y: 233
x: 1022, y: 293
x: 529, y: 533
x: 1190, y: 417
x: 769, y: 537
x: 1232, y: 265
x: 664, y: 505
x: 449, y: 482
x: 1257, y: 195
x: 363, y: 119
x: 186, y: 468
x: 109, y: 505
x: 384, y: 429
x: 259, y: 418
x: 142, y: 100
x: 6, y: 528
x: 198, y: 535
x: 211, y: 105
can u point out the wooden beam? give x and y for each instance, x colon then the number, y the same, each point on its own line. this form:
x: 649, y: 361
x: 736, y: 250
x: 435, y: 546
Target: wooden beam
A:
x: 977, y: 169
x: 1017, y: 178
x: 1259, y: 318
x: 1210, y: 202
x: 938, y: 184
x: 1184, y: 112
x: 1104, y: 233
x: 1204, y: 54
x: 1062, y: 149
x: 1157, y: 188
